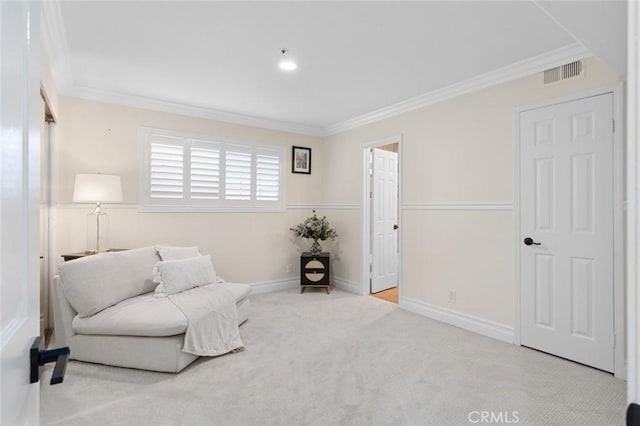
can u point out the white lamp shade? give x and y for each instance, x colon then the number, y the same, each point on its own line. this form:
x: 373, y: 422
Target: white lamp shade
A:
x: 97, y: 187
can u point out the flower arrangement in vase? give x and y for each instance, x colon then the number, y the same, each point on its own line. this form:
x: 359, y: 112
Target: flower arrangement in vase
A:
x: 317, y: 229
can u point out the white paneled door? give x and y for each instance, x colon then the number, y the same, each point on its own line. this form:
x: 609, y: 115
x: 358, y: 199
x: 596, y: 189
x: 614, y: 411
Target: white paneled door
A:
x: 566, y: 230
x: 385, y: 220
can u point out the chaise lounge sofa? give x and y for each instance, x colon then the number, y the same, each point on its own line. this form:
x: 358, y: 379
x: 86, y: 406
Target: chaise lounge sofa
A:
x: 107, y: 312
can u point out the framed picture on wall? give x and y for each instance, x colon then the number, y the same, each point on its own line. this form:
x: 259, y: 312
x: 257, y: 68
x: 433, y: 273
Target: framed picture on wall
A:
x: 301, y: 160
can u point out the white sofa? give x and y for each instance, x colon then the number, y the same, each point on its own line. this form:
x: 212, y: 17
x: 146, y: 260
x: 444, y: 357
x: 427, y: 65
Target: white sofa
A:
x: 106, y: 311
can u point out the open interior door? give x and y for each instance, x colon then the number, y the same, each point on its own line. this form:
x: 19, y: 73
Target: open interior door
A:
x: 19, y: 208
x: 384, y: 187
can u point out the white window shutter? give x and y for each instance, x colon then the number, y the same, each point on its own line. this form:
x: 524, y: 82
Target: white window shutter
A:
x: 205, y: 170
x: 267, y: 174
x: 237, y: 172
x: 166, y: 168
x: 185, y: 172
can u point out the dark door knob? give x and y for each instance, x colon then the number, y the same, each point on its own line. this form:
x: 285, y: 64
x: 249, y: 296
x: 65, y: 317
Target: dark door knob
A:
x: 529, y: 241
x: 395, y: 226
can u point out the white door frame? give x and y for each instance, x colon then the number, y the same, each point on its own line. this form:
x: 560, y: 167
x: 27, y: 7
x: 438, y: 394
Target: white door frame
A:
x: 618, y: 216
x: 365, y: 209
x: 633, y: 209
x: 19, y: 208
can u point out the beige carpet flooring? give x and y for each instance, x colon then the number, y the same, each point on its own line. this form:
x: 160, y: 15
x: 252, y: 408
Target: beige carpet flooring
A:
x: 341, y: 359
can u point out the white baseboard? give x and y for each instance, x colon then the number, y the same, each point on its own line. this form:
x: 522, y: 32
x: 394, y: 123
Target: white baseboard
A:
x: 622, y: 374
x: 289, y: 283
x: 347, y: 285
x: 275, y: 285
x: 465, y: 321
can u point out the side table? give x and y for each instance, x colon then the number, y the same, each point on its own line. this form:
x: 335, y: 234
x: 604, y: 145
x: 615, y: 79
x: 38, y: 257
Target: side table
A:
x: 314, y: 271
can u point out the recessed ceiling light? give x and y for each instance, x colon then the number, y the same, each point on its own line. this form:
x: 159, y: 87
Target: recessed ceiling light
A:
x: 286, y: 63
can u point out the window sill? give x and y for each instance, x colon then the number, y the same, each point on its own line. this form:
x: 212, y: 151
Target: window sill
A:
x: 205, y: 209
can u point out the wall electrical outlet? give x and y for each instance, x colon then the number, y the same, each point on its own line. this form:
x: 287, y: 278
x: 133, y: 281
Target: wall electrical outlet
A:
x: 452, y: 296
x: 289, y: 268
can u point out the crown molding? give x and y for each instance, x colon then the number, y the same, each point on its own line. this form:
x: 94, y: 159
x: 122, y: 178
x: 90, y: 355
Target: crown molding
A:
x: 190, y: 110
x: 569, y: 53
x: 54, y: 43
x: 56, y: 47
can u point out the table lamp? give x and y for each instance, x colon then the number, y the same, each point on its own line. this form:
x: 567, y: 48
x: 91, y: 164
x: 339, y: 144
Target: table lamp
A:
x: 97, y: 188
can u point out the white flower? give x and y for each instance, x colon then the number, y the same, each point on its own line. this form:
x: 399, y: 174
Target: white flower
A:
x: 315, y: 228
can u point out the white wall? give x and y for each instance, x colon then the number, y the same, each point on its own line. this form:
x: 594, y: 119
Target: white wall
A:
x: 96, y: 137
x: 456, y: 155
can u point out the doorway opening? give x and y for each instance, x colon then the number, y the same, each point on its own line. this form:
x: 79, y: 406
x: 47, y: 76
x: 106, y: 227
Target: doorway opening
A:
x: 390, y: 295
x: 381, y: 222
x: 47, y: 267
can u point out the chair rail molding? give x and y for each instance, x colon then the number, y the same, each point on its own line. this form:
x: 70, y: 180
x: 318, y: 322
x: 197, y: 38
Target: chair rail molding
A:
x: 457, y: 206
x: 323, y: 206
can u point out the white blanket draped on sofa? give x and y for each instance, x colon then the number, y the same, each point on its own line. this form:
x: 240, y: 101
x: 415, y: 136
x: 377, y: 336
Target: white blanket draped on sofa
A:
x: 212, y: 326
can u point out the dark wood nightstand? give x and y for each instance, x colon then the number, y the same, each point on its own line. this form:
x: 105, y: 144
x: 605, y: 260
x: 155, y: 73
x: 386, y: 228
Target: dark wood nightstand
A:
x: 73, y: 256
x: 314, y: 271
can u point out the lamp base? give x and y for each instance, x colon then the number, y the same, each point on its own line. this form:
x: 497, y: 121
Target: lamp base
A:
x: 97, y: 231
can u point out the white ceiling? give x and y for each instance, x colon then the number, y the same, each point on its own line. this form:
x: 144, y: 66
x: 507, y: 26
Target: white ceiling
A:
x: 355, y: 58
x: 600, y: 25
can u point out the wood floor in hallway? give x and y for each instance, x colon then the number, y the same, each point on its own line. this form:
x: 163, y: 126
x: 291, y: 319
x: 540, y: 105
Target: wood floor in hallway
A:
x: 390, y: 295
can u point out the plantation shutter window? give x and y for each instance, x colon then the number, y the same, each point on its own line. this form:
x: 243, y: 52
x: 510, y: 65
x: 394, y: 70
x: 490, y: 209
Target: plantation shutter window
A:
x: 166, y: 168
x: 267, y: 175
x: 238, y: 172
x: 194, y: 173
x: 205, y: 170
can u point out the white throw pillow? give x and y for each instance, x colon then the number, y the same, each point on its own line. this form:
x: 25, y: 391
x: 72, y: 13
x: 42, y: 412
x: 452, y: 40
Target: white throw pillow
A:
x: 177, y: 253
x: 173, y: 253
x: 183, y: 274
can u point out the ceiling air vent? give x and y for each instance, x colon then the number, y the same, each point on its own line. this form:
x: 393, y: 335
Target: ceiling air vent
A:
x: 564, y: 72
